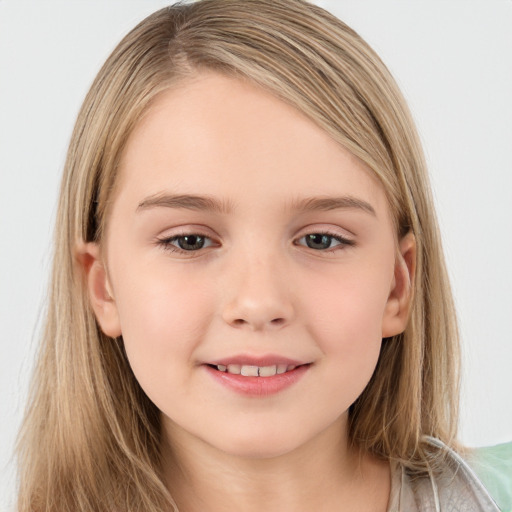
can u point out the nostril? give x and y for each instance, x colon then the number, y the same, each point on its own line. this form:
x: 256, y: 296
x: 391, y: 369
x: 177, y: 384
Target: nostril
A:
x: 277, y: 322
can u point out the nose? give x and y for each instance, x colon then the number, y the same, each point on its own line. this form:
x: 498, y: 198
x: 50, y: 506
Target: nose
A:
x: 258, y: 295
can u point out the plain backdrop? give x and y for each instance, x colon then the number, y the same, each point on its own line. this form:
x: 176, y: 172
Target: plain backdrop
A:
x: 453, y: 62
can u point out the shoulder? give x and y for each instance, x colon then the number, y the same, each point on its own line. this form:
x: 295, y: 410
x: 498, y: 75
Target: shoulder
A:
x: 452, y: 487
x: 493, y: 465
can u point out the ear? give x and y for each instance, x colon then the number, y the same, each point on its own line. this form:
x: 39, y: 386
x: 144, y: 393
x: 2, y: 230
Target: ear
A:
x: 396, y: 313
x: 100, y: 292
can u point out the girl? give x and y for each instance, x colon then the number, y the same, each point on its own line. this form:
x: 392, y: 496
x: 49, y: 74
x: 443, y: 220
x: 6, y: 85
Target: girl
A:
x: 249, y: 306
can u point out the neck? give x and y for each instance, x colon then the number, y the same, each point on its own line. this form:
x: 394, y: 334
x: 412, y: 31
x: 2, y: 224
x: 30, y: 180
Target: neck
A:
x: 324, y: 475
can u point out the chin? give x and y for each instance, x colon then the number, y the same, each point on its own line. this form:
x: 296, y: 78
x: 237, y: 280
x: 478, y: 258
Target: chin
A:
x: 260, y: 445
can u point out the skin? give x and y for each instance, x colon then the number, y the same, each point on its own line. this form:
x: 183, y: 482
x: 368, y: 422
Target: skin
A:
x: 255, y: 288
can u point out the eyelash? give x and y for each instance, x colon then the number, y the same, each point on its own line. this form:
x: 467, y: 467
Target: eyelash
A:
x: 343, y: 242
x: 168, y: 242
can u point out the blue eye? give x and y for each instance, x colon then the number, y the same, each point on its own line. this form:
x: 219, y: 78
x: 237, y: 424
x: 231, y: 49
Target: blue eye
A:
x: 323, y: 241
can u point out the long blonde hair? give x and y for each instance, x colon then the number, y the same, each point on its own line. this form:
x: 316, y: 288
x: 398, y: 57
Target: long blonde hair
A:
x: 90, y: 439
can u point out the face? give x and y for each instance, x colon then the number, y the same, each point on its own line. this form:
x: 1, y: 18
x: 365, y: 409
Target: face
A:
x: 242, y: 238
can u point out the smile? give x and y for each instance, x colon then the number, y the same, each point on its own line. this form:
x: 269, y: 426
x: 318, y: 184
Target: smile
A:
x: 254, y: 371
x: 259, y: 379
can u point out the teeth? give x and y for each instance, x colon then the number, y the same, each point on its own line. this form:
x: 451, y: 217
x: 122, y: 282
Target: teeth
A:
x: 281, y: 368
x: 249, y: 371
x: 267, y: 371
x: 255, y: 371
x: 234, y: 369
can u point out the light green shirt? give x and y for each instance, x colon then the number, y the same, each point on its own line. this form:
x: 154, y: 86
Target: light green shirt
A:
x: 493, y: 465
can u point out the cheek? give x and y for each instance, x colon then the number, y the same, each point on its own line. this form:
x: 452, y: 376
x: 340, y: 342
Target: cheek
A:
x: 344, y: 313
x: 162, y: 315
x: 344, y: 316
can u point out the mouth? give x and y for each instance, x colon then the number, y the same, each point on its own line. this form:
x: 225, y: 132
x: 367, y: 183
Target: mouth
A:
x: 254, y: 371
x: 257, y: 377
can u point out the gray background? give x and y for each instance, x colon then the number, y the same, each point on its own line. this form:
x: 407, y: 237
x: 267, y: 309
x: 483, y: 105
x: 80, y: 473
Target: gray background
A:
x: 453, y: 61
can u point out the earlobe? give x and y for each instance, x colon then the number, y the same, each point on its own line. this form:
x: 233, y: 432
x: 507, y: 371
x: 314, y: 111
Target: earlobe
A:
x: 98, y: 286
x: 396, y: 314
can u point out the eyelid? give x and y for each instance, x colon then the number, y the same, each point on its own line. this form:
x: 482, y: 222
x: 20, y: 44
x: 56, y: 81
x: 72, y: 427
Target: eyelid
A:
x: 327, y: 229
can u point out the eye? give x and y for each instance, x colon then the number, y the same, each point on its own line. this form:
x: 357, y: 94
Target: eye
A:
x: 323, y: 241
x: 188, y: 242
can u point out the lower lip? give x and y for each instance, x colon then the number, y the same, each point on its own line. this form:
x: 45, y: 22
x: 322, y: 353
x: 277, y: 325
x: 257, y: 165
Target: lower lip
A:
x: 258, y: 386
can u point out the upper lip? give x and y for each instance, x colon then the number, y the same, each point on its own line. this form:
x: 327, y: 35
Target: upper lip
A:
x: 251, y: 360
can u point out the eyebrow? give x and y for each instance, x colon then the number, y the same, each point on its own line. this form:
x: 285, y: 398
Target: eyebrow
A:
x: 187, y: 201
x: 332, y: 203
x: 207, y: 203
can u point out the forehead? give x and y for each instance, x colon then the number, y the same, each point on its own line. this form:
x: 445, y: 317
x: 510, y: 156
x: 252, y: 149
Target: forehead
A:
x: 222, y: 136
